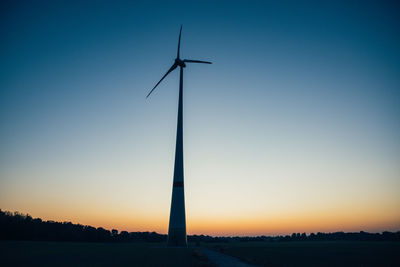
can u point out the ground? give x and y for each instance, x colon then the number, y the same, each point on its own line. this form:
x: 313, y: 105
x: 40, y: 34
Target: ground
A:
x: 314, y: 253
x: 27, y: 253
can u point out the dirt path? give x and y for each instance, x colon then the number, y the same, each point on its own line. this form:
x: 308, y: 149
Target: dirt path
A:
x: 223, y: 260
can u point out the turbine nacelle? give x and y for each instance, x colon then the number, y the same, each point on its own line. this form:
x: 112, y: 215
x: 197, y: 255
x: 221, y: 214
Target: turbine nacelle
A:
x: 179, y: 62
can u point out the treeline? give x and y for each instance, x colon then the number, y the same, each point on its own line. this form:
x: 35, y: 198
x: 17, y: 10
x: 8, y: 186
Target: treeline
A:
x: 17, y: 226
x: 337, y: 236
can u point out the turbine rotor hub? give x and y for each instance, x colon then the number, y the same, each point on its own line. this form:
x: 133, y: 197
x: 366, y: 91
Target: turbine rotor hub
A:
x: 180, y: 62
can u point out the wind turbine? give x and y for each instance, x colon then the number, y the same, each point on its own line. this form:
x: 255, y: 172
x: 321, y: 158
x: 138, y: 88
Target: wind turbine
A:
x: 177, y: 217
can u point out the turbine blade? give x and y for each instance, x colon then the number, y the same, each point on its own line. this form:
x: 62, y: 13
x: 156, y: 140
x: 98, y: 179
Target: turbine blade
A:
x: 196, y: 61
x: 179, y: 42
x: 165, y: 75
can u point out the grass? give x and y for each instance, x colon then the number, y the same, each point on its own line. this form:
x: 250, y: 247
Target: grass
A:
x: 340, y: 253
x: 303, y: 253
x: 26, y: 253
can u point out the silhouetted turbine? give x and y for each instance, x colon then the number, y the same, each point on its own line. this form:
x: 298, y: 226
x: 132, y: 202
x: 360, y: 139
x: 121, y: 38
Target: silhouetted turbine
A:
x: 177, y: 218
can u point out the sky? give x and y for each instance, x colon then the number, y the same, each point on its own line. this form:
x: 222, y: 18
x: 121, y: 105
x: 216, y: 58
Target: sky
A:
x: 295, y: 127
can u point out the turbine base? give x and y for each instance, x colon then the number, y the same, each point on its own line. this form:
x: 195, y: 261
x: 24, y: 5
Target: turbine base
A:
x: 177, y: 237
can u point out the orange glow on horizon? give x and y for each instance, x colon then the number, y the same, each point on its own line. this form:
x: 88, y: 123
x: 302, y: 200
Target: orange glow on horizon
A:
x: 332, y: 221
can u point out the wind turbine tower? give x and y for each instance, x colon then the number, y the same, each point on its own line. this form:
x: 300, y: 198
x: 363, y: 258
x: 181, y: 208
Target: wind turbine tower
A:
x: 177, y: 218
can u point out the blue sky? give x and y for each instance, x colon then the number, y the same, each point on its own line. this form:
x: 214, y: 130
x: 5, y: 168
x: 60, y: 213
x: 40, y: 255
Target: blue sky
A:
x: 297, y: 120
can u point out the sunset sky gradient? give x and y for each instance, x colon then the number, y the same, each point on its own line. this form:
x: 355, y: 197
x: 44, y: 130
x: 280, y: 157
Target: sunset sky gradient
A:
x: 294, y: 128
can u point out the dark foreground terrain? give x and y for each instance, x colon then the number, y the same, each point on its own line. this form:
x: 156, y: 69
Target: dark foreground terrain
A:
x: 314, y: 253
x: 31, y: 253
x: 302, y: 253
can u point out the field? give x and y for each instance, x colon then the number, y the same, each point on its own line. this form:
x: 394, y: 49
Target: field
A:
x: 21, y: 253
x: 314, y: 253
x: 26, y: 253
